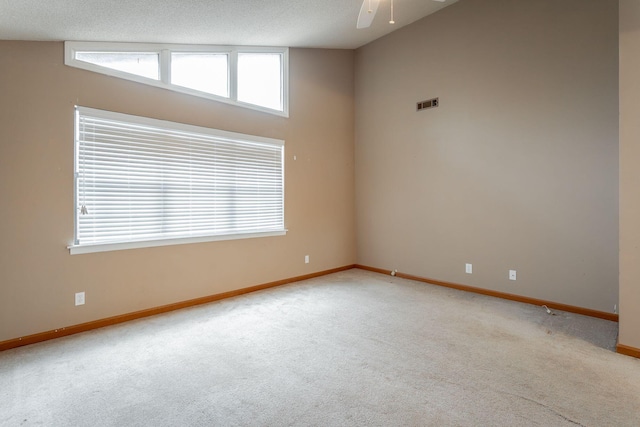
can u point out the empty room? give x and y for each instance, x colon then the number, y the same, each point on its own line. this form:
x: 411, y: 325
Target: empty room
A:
x: 348, y: 212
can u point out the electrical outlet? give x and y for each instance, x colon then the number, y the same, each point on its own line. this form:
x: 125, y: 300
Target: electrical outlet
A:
x: 80, y: 298
x: 512, y: 275
x: 468, y: 268
x: 306, y: 259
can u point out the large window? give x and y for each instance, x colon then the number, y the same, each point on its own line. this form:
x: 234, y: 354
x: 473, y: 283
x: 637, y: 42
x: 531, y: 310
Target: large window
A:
x: 252, y: 77
x: 143, y: 182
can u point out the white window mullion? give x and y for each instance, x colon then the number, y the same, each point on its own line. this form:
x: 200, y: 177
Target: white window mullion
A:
x: 165, y: 66
x: 233, y: 75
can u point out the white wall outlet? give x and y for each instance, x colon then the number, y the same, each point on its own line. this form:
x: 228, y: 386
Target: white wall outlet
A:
x: 80, y: 298
x: 512, y: 275
x: 306, y: 259
x: 468, y: 268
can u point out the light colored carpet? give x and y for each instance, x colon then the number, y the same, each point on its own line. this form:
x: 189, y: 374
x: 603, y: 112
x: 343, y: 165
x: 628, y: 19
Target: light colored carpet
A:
x: 352, y: 348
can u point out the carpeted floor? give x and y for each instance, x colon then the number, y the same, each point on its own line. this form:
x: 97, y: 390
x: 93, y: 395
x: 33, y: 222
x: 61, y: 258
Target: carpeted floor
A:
x: 352, y: 348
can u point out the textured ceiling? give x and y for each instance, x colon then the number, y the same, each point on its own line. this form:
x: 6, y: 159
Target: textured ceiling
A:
x: 295, y: 23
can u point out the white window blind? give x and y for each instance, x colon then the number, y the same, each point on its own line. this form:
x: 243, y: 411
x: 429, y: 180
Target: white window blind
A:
x: 139, y: 179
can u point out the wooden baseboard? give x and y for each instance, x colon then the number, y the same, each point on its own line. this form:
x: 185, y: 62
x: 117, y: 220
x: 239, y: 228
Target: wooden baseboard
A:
x: 83, y: 327
x: 557, y: 306
x: 628, y: 351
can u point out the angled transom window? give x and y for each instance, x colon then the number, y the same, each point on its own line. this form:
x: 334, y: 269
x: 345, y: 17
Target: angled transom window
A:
x: 144, y: 182
x: 253, y: 77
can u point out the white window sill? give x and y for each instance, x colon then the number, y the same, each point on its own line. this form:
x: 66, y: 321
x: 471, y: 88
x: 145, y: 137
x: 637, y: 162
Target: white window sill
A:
x: 106, y: 247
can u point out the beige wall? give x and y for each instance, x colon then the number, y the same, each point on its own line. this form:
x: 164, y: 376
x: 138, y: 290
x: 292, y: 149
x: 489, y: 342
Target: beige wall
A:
x: 630, y: 173
x: 38, y: 277
x: 517, y: 168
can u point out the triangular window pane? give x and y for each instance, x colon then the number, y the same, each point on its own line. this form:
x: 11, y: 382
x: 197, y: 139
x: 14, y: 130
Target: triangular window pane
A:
x: 145, y: 64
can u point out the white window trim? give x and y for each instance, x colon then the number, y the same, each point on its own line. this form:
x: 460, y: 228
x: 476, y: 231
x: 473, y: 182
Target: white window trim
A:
x: 105, y: 247
x: 164, y: 53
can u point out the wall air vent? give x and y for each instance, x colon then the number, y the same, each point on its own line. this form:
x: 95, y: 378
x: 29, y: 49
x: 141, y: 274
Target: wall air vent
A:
x: 431, y: 103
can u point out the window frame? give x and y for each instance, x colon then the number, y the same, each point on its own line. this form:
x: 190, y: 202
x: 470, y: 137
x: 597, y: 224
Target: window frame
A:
x: 79, y: 248
x: 164, y: 63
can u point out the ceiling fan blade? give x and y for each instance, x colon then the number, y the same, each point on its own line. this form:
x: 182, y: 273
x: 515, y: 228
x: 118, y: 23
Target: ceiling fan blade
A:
x: 367, y: 13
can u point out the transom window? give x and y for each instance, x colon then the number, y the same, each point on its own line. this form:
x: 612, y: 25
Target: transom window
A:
x: 143, y: 182
x: 253, y: 77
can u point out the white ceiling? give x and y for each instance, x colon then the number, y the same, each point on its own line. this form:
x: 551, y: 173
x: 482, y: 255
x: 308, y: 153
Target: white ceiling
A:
x: 295, y: 23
